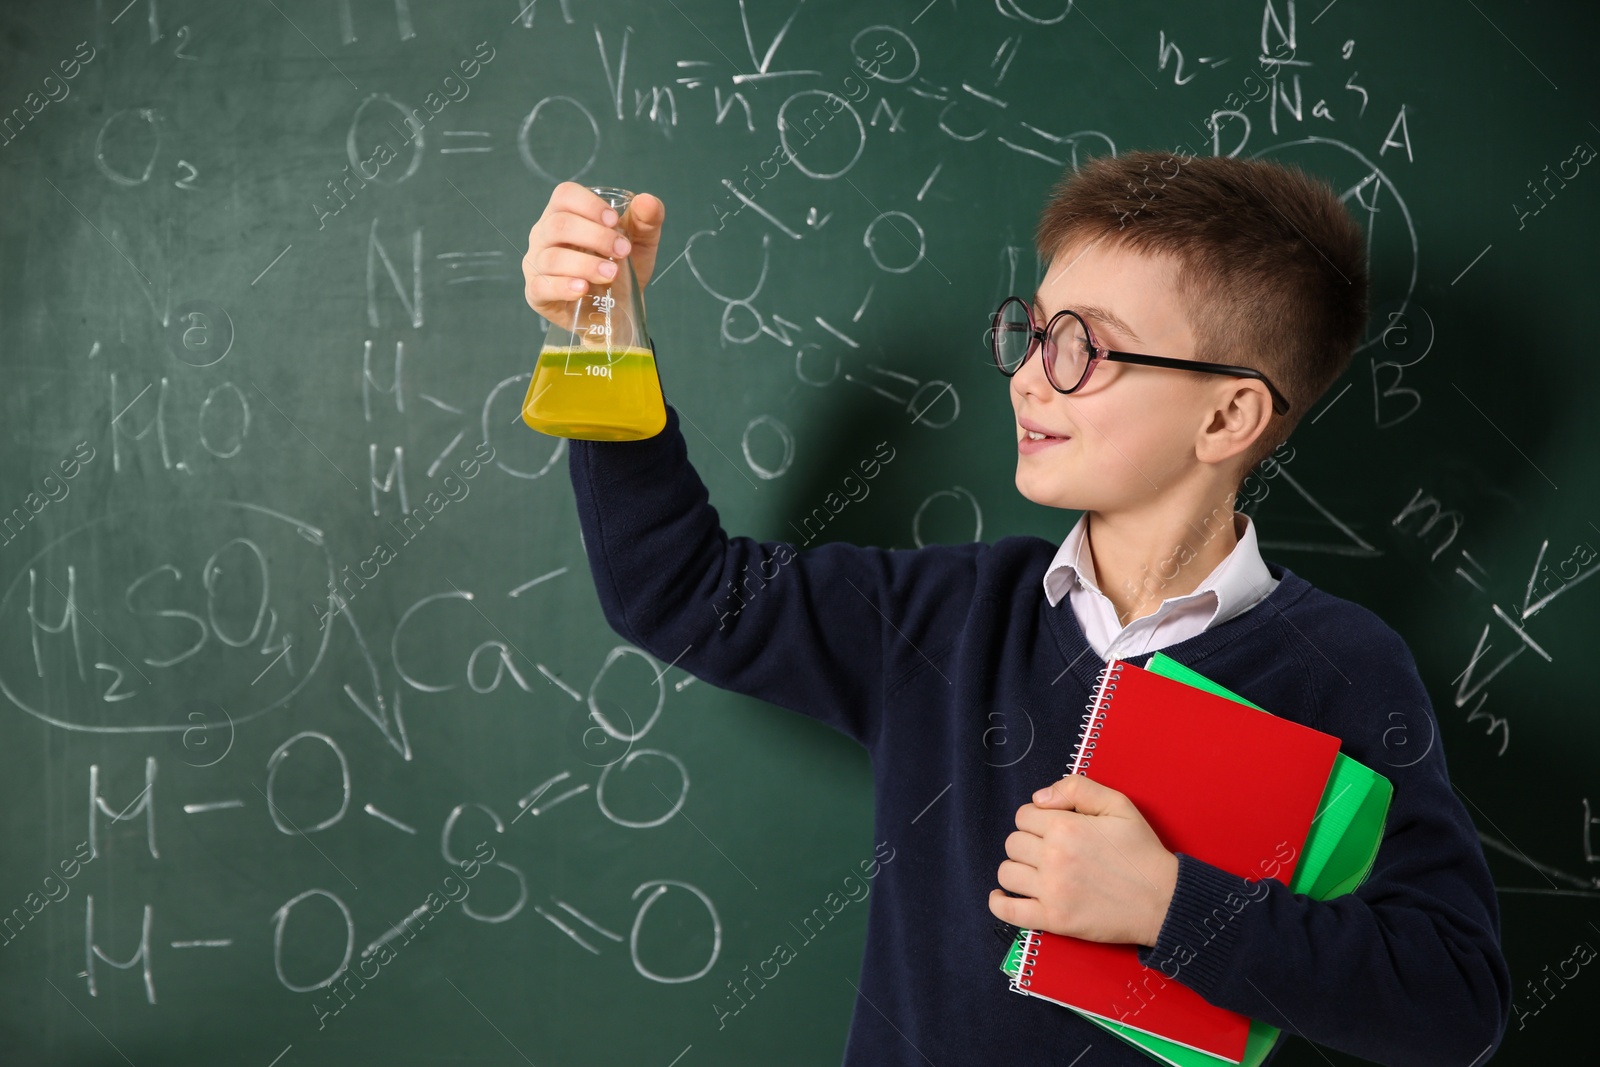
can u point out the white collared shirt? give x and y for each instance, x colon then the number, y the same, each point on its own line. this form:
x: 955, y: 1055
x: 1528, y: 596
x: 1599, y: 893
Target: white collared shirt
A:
x: 1234, y: 586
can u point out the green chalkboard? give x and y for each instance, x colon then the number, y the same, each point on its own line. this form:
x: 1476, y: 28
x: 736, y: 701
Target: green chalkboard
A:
x: 262, y: 335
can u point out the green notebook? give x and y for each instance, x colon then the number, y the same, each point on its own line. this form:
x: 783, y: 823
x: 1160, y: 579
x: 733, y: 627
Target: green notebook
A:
x: 1339, y: 850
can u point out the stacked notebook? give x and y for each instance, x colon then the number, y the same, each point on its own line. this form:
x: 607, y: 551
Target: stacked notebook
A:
x: 1272, y: 786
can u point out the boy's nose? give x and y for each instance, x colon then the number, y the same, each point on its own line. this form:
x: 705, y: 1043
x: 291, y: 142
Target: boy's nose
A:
x: 1031, y: 380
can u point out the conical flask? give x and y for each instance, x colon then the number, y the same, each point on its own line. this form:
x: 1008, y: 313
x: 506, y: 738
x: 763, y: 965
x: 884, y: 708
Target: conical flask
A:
x: 596, y: 376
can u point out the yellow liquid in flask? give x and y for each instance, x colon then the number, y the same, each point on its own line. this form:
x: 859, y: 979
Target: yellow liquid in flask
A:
x: 595, y: 395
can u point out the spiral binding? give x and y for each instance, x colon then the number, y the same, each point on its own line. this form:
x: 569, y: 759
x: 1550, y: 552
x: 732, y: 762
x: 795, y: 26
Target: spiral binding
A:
x: 1030, y: 954
x: 1094, y: 715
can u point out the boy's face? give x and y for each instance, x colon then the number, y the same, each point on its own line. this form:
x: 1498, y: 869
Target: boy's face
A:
x: 1130, y: 431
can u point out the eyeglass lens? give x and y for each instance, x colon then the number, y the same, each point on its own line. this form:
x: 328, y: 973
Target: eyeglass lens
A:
x: 1065, y: 351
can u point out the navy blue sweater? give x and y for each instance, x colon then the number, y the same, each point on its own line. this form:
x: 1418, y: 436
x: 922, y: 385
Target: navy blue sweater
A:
x: 922, y: 655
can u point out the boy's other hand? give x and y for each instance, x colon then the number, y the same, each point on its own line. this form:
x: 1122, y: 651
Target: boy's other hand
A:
x: 1086, y: 864
x: 573, y: 244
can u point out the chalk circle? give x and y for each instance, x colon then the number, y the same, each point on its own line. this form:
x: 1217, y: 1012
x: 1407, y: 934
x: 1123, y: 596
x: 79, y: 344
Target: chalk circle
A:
x: 783, y: 132
x: 200, y: 333
x: 629, y: 735
x: 1015, y: 12
x: 660, y: 886
x: 872, y: 249
x: 526, y: 148
x: 108, y: 554
x: 799, y: 366
x: 918, y: 405
x: 275, y: 762
x: 280, y: 918
x: 784, y: 436
x: 1082, y: 135
x: 152, y: 121
x: 916, y: 56
x: 201, y: 421
x: 523, y: 441
x: 352, y: 148
x: 959, y: 494
x: 727, y: 320
x: 603, y: 737
x: 675, y: 804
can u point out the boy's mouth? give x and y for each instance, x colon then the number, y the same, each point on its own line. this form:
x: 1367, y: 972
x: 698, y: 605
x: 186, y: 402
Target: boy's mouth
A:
x: 1032, y: 431
x: 1033, y: 441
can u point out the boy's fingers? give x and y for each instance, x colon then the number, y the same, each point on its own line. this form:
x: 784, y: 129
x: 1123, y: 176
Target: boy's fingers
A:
x: 644, y: 221
x: 1019, y: 911
x: 564, y: 264
x: 575, y: 231
x: 579, y: 200
x: 576, y: 235
x: 644, y: 217
x: 1076, y: 792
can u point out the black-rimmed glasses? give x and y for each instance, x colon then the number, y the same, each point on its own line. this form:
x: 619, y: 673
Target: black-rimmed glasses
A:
x: 1070, y: 354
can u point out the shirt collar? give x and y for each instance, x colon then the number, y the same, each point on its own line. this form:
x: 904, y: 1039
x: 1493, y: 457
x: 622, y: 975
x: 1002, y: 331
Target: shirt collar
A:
x: 1232, y: 584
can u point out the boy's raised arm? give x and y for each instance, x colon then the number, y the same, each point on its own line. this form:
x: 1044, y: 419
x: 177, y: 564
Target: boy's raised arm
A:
x: 815, y: 630
x: 805, y: 630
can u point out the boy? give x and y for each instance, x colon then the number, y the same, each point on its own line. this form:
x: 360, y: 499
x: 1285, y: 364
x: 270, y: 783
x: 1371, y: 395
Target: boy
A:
x: 1256, y: 273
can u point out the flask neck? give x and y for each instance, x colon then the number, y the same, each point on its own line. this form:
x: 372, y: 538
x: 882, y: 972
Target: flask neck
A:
x: 617, y: 199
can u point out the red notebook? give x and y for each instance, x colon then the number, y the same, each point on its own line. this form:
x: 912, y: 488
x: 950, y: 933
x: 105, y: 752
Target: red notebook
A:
x: 1215, y: 779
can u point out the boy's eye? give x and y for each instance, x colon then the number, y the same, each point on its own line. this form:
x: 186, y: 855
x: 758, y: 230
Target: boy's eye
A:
x: 1068, y: 336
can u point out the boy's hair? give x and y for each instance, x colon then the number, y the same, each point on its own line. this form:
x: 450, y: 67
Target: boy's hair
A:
x: 1272, y: 266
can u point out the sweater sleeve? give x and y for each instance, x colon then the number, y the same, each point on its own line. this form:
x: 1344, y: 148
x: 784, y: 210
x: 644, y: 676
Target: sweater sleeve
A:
x: 1407, y: 970
x: 819, y: 631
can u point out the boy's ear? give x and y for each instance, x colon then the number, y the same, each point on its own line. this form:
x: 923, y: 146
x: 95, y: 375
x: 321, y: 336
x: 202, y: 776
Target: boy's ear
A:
x: 1239, y: 417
